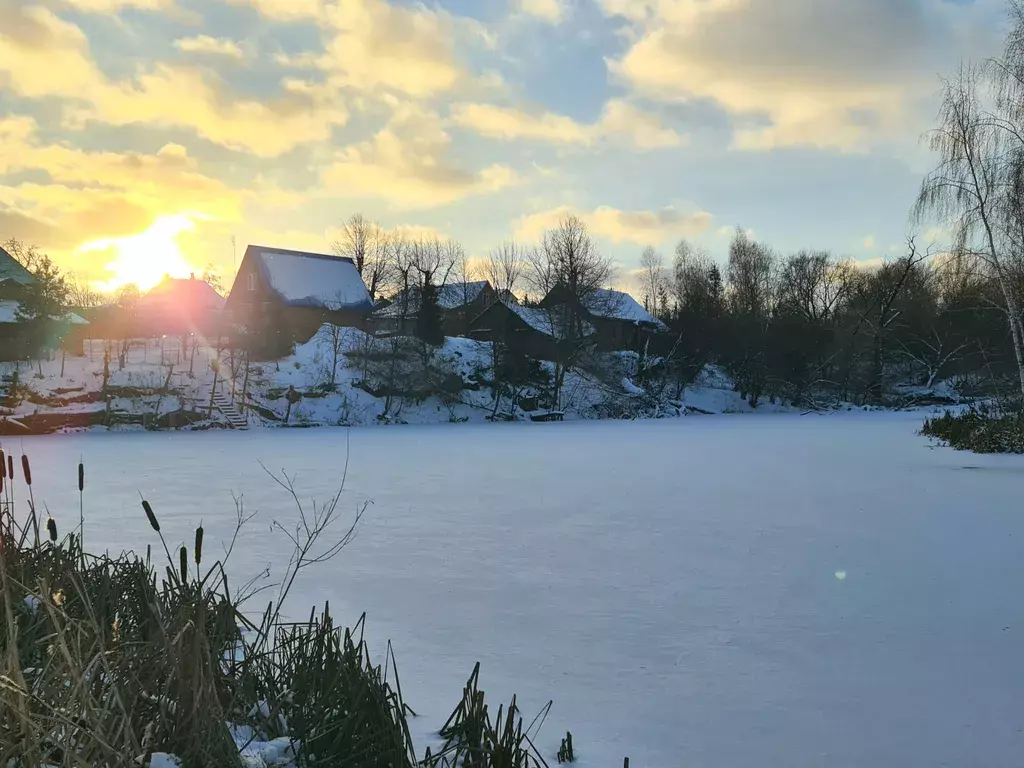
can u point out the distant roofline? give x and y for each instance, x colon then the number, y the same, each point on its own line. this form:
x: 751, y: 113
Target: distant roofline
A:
x: 307, y: 254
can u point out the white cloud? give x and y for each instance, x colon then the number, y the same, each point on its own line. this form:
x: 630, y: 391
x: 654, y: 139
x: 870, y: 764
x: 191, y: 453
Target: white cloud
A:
x: 620, y: 122
x: 551, y: 11
x: 216, y: 46
x: 856, y: 78
x: 408, y: 163
x: 642, y: 227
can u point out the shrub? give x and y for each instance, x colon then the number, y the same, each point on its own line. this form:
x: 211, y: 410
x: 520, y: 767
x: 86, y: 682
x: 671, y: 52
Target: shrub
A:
x: 982, y: 430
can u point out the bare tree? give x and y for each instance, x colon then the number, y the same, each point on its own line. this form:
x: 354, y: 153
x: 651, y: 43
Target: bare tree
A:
x: 504, y: 269
x: 367, y: 245
x: 969, y: 188
x: 652, y: 279
x: 568, y: 260
x: 29, y: 256
x: 82, y: 295
x: 333, y: 339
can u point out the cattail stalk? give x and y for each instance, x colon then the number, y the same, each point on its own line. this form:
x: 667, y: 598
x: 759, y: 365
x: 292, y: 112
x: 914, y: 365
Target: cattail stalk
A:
x: 26, y: 469
x: 199, y: 545
x: 81, y: 508
x: 183, y: 555
x: 51, y: 527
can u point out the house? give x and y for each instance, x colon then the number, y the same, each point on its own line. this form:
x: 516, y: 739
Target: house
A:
x: 620, y: 320
x: 281, y: 297
x: 180, y: 306
x: 459, y: 303
x: 534, y: 332
x: 20, y: 339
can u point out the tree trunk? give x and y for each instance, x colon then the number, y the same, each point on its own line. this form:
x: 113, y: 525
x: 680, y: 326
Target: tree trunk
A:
x: 213, y: 392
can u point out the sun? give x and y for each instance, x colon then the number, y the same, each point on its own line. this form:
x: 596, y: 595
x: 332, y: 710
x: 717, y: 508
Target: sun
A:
x: 144, y: 259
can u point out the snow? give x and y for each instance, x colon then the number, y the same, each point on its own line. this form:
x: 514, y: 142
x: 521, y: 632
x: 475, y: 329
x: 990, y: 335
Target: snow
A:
x: 313, y: 279
x: 9, y: 314
x: 542, y: 320
x: 776, y: 590
x: 619, y: 305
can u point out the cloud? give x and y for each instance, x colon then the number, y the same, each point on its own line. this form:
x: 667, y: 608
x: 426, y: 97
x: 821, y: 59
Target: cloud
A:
x: 113, y: 6
x: 373, y: 45
x: 90, y: 195
x: 619, y: 122
x: 825, y: 73
x: 551, y: 11
x: 43, y: 55
x: 214, y: 46
x: 642, y: 227
x: 408, y: 163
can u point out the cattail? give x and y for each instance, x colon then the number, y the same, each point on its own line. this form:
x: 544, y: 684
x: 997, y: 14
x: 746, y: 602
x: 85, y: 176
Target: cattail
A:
x: 199, y: 545
x: 10, y: 467
x: 51, y: 526
x: 26, y: 469
x: 184, y: 563
x: 149, y: 514
x: 81, y: 477
x: 3, y: 464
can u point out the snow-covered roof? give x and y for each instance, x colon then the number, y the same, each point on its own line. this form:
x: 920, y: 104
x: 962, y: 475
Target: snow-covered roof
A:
x: 312, y: 279
x: 619, y: 305
x: 545, y: 320
x: 11, y: 269
x: 9, y: 314
x: 179, y: 293
x: 449, y: 296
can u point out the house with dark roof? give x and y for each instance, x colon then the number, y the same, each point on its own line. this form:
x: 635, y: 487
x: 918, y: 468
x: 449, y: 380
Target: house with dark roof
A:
x: 535, y: 332
x: 20, y: 339
x: 620, y: 321
x: 459, y: 303
x: 282, y: 297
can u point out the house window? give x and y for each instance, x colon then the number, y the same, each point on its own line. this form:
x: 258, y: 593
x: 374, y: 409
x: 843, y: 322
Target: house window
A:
x: 250, y: 281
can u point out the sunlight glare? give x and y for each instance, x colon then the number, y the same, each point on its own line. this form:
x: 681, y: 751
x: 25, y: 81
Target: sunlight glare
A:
x: 144, y: 259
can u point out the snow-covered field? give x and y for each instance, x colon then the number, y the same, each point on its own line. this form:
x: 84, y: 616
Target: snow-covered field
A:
x: 766, y: 590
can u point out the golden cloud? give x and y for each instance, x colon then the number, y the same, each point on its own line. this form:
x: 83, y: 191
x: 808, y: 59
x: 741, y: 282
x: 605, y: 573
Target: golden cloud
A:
x: 408, y: 163
x: 620, y: 121
x: 43, y: 55
x: 642, y: 227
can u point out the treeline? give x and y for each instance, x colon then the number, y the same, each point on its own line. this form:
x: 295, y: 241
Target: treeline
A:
x: 810, y: 327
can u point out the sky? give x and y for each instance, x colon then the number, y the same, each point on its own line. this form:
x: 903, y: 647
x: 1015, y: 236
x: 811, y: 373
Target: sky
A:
x: 141, y: 136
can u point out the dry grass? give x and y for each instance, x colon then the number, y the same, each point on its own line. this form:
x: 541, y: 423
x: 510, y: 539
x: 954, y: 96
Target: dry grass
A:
x: 107, y: 660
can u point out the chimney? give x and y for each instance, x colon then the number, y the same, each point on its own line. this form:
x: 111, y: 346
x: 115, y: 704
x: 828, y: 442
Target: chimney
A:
x: 192, y: 276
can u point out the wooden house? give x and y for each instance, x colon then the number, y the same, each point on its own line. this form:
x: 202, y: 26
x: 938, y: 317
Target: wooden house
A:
x: 459, y: 304
x: 282, y: 297
x: 534, y: 332
x: 620, y: 321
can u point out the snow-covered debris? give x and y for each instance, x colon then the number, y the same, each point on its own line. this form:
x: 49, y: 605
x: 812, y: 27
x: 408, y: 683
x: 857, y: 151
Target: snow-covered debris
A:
x: 313, y: 279
x: 164, y: 760
x: 618, y: 305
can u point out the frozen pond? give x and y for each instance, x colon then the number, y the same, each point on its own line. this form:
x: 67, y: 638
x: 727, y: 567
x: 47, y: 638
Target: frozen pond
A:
x: 712, y: 591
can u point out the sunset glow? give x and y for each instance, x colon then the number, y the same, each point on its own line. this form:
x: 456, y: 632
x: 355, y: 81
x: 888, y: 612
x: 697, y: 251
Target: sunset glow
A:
x: 144, y: 259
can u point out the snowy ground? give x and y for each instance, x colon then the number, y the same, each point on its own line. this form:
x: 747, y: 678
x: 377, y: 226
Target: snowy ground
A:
x: 770, y: 590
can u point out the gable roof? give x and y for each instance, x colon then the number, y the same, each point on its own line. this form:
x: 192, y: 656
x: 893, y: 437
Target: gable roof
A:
x: 546, y: 321
x: 304, y: 279
x: 11, y: 269
x: 619, y: 305
x: 178, y: 293
x: 449, y: 296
